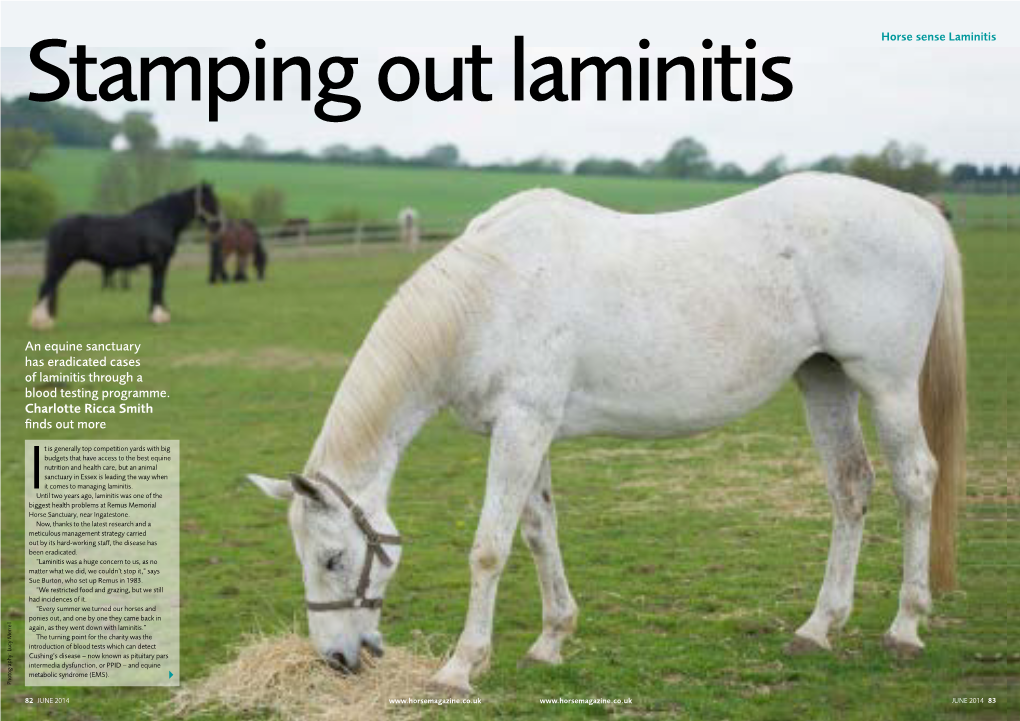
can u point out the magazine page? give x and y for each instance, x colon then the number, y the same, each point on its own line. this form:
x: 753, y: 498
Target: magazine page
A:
x: 390, y: 360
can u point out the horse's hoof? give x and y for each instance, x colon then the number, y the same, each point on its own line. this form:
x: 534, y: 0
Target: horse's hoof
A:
x: 40, y: 318
x: 449, y: 688
x: 160, y: 315
x: 803, y: 646
x: 902, y: 650
x: 529, y: 660
x: 542, y: 652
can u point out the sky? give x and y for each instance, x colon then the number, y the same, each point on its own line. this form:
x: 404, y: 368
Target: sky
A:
x: 960, y: 102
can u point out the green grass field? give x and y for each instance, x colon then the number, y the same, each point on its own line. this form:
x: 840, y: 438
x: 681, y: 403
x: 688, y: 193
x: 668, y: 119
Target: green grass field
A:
x: 692, y: 560
x: 314, y: 190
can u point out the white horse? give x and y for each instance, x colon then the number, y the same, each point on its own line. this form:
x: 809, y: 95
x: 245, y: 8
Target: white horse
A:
x: 410, y: 235
x: 552, y: 317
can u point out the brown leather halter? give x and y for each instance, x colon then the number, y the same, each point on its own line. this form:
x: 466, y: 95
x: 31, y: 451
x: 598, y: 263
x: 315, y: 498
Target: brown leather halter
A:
x: 201, y: 213
x: 375, y: 548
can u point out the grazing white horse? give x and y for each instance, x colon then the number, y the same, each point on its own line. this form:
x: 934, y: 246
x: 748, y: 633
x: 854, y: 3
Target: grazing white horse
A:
x: 410, y: 234
x: 552, y: 317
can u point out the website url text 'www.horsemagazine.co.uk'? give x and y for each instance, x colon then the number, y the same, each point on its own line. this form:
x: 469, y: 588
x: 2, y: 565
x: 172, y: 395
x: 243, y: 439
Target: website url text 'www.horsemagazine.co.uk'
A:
x: 456, y: 700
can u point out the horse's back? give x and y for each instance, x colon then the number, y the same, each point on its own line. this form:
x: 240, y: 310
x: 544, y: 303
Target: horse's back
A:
x: 827, y: 241
x: 666, y: 323
x: 110, y: 240
x: 639, y: 325
x: 240, y: 236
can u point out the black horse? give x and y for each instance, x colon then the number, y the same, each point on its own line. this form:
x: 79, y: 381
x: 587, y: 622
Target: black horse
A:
x: 147, y: 235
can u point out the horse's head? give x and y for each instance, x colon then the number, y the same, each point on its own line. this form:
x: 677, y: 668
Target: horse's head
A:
x: 348, y: 553
x: 207, y: 206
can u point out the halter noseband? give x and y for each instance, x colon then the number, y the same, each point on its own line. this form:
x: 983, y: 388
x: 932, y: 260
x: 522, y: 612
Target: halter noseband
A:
x: 200, y: 211
x: 375, y: 548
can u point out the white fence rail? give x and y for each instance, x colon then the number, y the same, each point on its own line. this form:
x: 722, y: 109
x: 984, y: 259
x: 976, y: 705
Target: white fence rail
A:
x: 321, y: 234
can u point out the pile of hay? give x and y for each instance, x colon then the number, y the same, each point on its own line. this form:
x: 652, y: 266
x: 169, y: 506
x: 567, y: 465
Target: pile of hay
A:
x: 283, y: 675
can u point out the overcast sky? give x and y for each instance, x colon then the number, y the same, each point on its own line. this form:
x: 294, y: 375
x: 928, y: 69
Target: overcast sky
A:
x: 958, y: 101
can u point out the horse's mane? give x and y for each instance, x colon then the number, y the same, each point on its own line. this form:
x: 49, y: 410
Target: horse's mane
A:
x: 169, y: 203
x: 404, y: 355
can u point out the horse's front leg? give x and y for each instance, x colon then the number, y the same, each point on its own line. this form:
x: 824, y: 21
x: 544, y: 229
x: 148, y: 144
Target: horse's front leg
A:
x: 559, y: 610
x: 157, y: 308
x: 45, y: 309
x: 520, y: 441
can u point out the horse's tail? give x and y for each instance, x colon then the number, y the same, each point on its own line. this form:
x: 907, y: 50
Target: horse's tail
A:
x: 944, y: 415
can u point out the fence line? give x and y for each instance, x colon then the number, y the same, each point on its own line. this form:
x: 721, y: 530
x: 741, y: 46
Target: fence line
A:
x: 968, y: 204
x: 366, y: 232
x: 321, y: 234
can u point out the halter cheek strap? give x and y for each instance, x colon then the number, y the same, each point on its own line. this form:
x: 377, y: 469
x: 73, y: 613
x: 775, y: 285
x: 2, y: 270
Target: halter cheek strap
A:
x: 374, y: 550
x: 200, y: 212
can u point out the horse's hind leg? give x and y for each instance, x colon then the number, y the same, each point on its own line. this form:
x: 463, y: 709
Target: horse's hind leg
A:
x: 830, y: 399
x: 914, y: 470
x: 559, y: 610
x: 261, y: 259
x: 241, y: 274
x: 216, y: 271
x: 891, y: 385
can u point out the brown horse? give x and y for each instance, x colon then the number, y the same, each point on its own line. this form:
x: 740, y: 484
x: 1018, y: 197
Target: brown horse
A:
x: 239, y: 237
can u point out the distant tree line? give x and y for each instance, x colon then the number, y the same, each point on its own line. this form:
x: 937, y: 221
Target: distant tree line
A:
x: 66, y: 124
x: 29, y: 202
x: 253, y: 147
x: 901, y: 166
x: 265, y: 206
x: 143, y: 170
x: 908, y: 168
x: 985, y: 179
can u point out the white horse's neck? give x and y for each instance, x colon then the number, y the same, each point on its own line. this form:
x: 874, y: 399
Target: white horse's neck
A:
x: 394, y: 384
x: 367, y: 474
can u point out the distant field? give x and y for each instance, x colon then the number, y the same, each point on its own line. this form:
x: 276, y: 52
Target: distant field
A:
x: 313, y: 190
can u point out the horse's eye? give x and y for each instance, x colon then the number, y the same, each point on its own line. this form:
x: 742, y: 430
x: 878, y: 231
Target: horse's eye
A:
x: 334, y: 561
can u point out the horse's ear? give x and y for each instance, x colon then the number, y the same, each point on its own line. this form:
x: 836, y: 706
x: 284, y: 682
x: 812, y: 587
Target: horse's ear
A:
x: 306, y: 488
x: 272, y: 487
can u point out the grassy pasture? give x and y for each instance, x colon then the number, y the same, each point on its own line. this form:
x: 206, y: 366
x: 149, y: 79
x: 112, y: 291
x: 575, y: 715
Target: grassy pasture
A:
x: 692, y: 560
x: 313, y: 190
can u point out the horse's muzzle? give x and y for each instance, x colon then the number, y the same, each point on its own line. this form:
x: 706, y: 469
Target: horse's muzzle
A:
x: 338, y: 661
